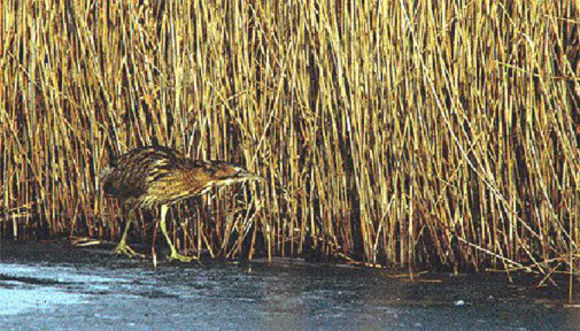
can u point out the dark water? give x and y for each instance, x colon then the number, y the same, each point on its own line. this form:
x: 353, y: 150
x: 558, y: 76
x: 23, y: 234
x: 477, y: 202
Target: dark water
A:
x: 49, y: 286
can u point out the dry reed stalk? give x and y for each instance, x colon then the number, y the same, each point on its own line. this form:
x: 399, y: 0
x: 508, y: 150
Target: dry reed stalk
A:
x: 405, y: 133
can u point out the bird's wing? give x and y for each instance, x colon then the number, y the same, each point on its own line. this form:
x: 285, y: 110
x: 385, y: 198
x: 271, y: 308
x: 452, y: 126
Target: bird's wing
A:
x: 129, y: 175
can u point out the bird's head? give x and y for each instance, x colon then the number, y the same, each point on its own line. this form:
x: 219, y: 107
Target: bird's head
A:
x: 226, y: 173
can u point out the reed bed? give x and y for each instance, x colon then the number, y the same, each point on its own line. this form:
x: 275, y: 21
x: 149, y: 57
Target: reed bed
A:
x: 402, y: 133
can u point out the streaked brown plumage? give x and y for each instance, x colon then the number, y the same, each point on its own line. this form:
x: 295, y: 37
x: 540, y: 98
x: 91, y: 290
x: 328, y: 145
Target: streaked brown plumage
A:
x: 160, y: 176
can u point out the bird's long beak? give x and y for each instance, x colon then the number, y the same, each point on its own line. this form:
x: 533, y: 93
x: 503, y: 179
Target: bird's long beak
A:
x: 249, y: 176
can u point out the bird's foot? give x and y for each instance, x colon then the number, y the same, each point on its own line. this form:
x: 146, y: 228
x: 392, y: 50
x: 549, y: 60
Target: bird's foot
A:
x: 123, y: 248
x: 182, y: 258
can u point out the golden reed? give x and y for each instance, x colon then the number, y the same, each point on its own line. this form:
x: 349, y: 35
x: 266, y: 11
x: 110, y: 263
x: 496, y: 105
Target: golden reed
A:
x: 392, y: 132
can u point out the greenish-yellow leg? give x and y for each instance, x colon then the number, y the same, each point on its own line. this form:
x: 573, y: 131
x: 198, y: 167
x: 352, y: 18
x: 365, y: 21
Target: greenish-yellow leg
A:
x: 122, y: 247
x: 174, y: 254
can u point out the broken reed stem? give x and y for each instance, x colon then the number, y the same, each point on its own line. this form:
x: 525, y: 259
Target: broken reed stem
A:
x: 398, y: 133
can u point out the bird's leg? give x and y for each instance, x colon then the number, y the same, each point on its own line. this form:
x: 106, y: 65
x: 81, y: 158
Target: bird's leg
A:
x: 174, y: 254
x: 122, y: 247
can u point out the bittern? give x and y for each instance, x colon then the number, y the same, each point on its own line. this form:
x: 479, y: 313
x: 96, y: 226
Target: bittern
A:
x: 155, y: 176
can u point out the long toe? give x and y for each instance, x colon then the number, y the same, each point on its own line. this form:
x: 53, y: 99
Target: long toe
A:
x: 127, y: 251
x: 121, y: 248
x: 181, y: 258
x: 135, y: 253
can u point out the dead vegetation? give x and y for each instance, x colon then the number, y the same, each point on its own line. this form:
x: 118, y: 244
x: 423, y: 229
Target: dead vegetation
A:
x: 399, y: 132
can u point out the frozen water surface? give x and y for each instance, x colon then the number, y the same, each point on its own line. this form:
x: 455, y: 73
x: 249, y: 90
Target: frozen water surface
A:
x: 53, y: 286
